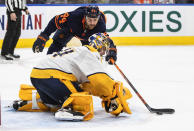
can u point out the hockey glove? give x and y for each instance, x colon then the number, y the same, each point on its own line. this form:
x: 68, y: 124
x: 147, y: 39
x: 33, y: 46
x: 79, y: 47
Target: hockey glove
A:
x: 40, y: 43
x: 112, y: 53
x: 118, y: 103
x: 113, y: 106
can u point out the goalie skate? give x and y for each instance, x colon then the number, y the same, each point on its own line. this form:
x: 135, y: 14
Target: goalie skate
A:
x: 18, y: 103
x: 68, y: 115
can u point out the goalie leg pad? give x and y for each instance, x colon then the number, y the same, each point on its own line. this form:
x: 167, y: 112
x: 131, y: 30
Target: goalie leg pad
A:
x: 83, y: 103
x: 80, y: 103
x: 28, y: 106
x: 25, y: 92
x: 30, y: 100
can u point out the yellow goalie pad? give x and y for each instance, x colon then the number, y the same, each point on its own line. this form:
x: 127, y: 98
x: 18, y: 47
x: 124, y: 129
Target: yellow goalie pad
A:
x: 25, y: 92
x: 34, y: 104
x: 81, y: 102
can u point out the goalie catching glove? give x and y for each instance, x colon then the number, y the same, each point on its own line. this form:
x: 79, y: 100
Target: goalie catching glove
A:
x: 40, y: 43
x: 118, y: 104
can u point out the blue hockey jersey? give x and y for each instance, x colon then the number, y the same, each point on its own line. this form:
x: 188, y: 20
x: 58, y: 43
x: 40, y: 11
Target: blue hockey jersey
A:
x: 74, y: 23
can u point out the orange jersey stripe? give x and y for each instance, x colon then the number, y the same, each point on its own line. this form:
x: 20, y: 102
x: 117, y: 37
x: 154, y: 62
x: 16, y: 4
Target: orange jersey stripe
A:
x: 83, y: 22
x: 56, y: 20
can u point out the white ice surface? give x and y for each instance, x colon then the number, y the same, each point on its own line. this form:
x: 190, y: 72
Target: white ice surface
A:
x: 163, y: 75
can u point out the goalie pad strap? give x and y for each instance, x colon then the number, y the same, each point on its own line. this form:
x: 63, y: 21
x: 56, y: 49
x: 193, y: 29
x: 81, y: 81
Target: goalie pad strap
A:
x: 34, y: 102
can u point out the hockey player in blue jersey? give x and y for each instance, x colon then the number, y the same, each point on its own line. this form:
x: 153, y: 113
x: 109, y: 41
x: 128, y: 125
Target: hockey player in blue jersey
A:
x: 80, y: 23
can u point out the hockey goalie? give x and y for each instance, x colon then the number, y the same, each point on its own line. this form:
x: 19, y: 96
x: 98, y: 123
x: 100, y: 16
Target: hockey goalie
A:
x: 64, y: 82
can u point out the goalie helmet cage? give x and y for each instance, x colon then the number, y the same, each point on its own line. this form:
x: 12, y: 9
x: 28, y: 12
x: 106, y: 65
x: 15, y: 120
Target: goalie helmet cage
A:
x: 154, y: 1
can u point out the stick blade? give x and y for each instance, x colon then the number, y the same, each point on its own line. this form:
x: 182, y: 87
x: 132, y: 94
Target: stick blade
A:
x: 162, y: 111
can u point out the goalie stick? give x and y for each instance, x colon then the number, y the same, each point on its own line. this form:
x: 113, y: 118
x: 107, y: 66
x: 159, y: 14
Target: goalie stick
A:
x: 152, y: 110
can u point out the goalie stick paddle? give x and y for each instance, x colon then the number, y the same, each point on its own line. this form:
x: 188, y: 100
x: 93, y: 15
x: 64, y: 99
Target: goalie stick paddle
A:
x: 152, y: 110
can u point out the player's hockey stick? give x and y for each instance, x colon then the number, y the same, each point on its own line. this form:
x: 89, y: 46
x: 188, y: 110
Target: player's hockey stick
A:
x: 152, y: 110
